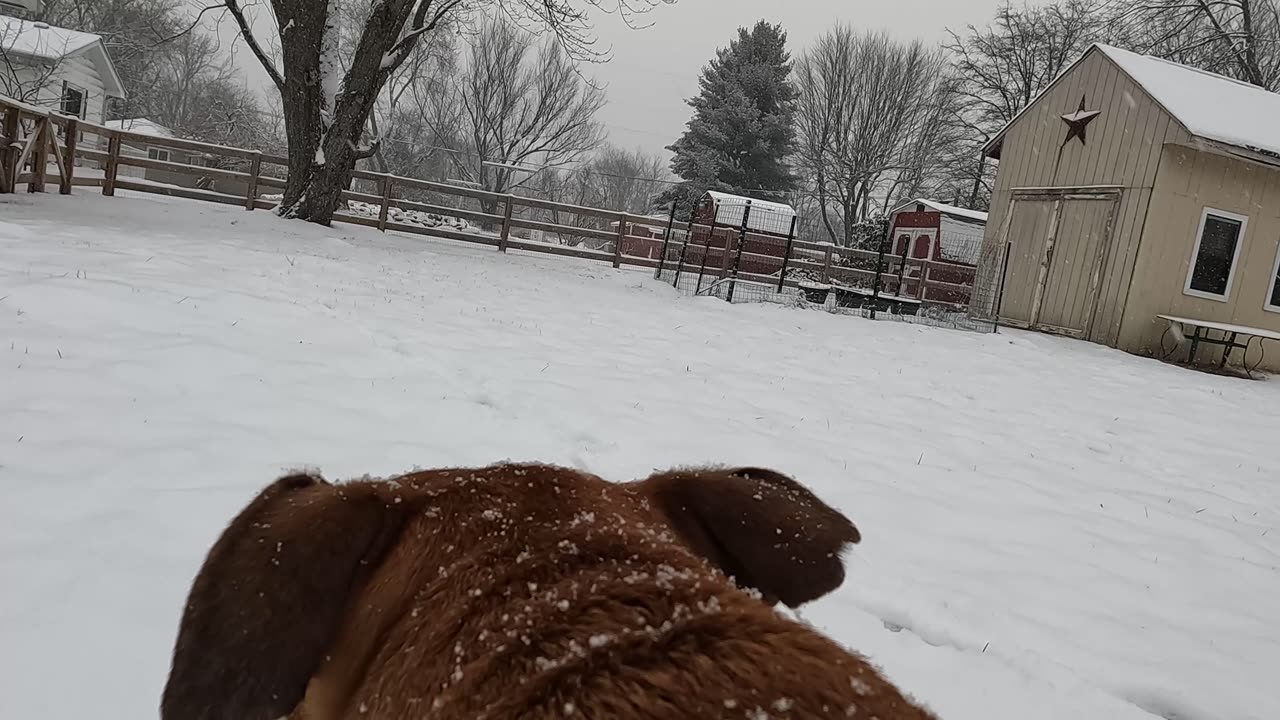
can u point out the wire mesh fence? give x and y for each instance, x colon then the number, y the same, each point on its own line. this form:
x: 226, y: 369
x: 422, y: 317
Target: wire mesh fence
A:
x: 743, y: 250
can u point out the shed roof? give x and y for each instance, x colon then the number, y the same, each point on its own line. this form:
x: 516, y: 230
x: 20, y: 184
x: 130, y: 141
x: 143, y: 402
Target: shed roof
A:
x: 723, y: 198
x: 49, y: 43
x: 1210, y: 106
x: 952, y: 210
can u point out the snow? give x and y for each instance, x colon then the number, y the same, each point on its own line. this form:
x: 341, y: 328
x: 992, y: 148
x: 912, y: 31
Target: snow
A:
x: 330, y: 68
x: 141, y: 126
x: 1052, y: 529
x: 1210, y: 106
x: 943, y: 208
x: 44, y: 41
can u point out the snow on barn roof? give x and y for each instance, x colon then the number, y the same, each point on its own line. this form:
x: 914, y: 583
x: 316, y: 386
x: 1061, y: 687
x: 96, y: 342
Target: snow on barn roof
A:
x: 1210, y: 106
x: 48, y: 43
x: 953, y: 210
x: 141, y: 126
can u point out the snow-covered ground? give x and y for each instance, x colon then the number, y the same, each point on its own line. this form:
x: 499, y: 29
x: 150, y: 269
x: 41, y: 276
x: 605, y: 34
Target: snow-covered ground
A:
x: 1052, y: 529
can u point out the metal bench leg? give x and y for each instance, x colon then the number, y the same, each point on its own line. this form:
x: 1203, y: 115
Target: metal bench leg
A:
x: 1226, y: 350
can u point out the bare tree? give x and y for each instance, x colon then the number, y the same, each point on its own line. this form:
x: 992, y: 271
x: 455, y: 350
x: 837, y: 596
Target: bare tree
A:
x: 1237, y: 38
x: 327, y: 110
x: 514, y: 108
x: 1002, y: 67
x: 869, y: 115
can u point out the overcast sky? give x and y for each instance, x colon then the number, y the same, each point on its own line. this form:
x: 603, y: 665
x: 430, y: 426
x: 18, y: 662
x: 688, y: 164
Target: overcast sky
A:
x: 654, y: 69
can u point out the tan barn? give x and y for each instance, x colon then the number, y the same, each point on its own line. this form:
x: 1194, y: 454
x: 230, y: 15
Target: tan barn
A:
x: 1132, y: 188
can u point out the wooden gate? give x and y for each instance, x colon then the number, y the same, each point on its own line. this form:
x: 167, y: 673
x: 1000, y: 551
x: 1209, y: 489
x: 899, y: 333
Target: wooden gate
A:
x: 1058, y: 240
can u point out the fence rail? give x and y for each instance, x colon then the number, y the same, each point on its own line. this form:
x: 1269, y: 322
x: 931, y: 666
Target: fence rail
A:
x: 31, y: 137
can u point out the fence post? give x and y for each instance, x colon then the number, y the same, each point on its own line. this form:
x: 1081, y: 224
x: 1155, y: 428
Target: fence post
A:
x: 875, y: 286
x: 506, y: 225
x: 826, y: 263
x: 666, y: 240
x: 1000, y: 293
x: 706, y: 250
x: 923, y: 290
x: 385, y: 210
x: 255, y: 170
x: 684, y: 248
x: 737, y: 258
x: 617, y: 241
x: 69, y: 153
x: 9, y: 154
x: 40, y: 155
x: 113, y: 165
x: 786, y: 254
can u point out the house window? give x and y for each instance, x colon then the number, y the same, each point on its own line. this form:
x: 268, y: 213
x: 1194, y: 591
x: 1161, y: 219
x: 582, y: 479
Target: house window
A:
x: 1213, y: 262
x: 1273, y: 293
x: 158, y: 154
x: 72, y: 100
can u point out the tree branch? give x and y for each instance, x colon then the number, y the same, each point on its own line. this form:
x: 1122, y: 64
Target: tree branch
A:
x: 245, y: 31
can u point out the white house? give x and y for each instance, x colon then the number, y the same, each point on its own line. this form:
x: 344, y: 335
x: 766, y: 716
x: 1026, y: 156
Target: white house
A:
x: 56, y: 68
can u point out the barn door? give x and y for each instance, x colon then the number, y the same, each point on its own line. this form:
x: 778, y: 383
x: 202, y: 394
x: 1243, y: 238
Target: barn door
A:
x: 1058, y: 241
x: 1073, y: 266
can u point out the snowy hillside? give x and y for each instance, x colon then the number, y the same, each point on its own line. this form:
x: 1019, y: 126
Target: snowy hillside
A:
x: 1052, y: 529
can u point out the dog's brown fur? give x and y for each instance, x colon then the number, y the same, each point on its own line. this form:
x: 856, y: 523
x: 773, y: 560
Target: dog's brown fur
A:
x: 522, y: 591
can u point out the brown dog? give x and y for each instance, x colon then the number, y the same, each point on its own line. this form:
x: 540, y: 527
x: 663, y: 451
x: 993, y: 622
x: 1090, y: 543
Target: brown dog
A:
x: 522, y: 591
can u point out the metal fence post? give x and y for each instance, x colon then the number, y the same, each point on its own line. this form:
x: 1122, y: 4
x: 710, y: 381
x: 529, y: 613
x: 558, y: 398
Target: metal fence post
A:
x: 684, y: 248
x: 737, y: 259
x: 255, y: 171
x: 666, y: 239
x: 617, y: 240
x: 113, y: 165
x: 385, y: 209
x: 995, y: 327
x: 786, y: 254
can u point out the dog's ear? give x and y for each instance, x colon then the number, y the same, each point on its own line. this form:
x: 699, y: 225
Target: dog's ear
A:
x: 270, y: 597
x: 759, y: 526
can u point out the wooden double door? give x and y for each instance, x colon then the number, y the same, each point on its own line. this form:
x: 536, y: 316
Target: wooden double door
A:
x: 1057, y: 243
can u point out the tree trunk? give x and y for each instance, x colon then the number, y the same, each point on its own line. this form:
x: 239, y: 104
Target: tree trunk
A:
x: 324, y: 132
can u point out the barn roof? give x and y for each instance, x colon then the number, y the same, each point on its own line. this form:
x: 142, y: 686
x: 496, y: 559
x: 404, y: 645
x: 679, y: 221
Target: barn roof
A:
x: 49, y: 43
x: 1210, y: 106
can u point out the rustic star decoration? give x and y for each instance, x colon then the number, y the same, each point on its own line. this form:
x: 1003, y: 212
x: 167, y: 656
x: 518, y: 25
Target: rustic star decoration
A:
x: 1078, y: 121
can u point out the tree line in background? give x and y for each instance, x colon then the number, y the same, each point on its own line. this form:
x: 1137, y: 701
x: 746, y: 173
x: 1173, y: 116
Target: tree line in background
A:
x: 492, y: 95
x: 859, y: 122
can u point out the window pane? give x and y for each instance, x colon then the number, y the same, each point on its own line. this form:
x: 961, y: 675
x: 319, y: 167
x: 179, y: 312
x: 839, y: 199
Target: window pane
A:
x: 72, y: 101
x: 1275, y: 289
x: 1217, y: 249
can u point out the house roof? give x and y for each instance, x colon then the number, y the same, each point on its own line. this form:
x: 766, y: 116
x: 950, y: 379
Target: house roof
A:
x: 49, y: 43
x: 141, y: 126
x: 1209, y: 106
x: 952, y: 210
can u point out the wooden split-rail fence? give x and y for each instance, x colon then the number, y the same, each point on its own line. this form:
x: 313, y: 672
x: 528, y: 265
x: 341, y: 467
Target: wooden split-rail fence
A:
x: 33, y: 140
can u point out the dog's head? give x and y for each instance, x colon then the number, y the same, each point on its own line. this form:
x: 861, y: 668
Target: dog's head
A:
x: 273, y: 591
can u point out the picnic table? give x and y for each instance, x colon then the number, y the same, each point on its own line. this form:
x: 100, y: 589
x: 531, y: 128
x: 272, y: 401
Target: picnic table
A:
x: 1228, y: 340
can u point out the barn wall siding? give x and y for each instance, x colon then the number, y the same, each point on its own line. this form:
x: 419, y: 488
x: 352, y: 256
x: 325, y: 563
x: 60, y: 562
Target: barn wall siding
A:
x: 1123, y: 148
x: 1189, y: 181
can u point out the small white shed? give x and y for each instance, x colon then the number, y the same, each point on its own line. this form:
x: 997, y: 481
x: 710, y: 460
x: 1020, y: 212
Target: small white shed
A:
x: 771, y: 218
x: 57, y: 68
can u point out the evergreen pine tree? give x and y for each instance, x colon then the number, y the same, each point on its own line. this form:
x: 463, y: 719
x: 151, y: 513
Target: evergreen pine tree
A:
x: 741, y: 131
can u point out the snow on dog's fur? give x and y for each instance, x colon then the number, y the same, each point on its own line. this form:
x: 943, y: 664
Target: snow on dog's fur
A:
x: 522, y: 591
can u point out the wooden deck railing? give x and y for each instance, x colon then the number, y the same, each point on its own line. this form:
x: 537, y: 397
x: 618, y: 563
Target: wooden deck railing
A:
x: 31, y: 136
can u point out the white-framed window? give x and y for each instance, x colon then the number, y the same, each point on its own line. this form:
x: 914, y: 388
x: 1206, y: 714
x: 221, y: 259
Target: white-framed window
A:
x: 158, y: 154
x: 72, y: 102
x: 1273, y: 289
x: 1217, y: 251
